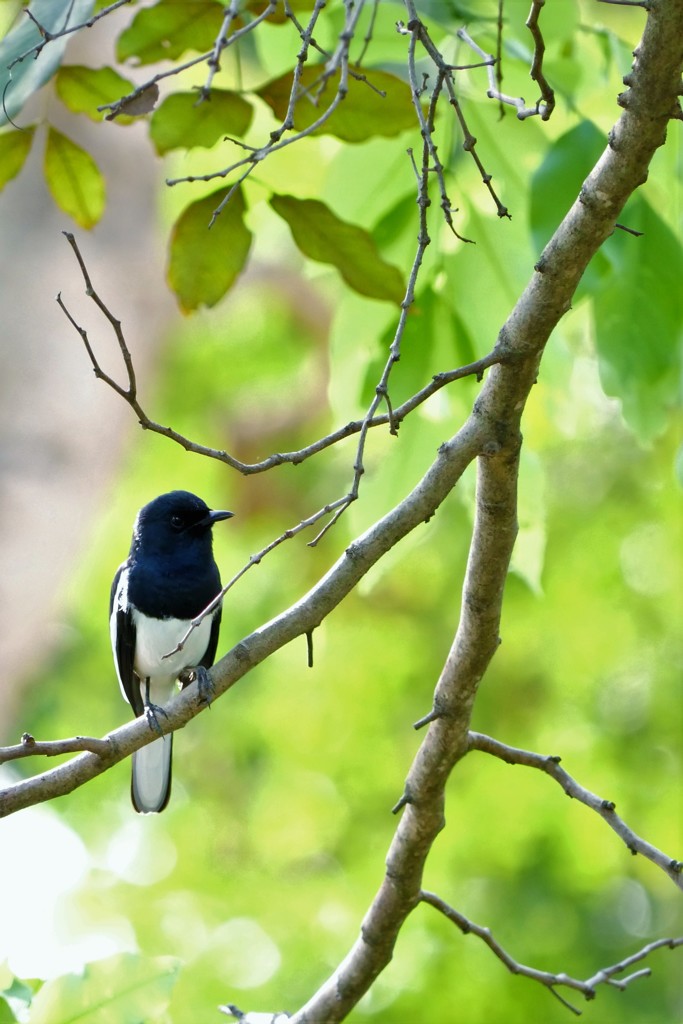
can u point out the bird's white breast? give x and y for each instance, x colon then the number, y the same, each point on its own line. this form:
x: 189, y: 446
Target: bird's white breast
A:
x: 157, y: 637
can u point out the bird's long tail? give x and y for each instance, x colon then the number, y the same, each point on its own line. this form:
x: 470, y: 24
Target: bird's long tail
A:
x: 150, y: 786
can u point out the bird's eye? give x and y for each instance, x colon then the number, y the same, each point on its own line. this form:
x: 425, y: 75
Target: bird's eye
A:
x: 177, y: 522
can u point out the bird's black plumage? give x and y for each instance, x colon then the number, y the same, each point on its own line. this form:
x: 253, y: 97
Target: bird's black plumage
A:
x: 170, y: 576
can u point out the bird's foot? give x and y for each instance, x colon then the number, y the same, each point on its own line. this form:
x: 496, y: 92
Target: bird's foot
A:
x: 204, y: 685
x: 152, y: 711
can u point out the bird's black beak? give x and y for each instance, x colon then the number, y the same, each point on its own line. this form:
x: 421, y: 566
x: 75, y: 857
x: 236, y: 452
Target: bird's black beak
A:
x: 215, y: 517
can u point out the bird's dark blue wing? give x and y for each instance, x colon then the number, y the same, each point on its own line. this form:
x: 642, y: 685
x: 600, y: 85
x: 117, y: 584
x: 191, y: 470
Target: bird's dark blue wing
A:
x: 210, y: 653
x: 123, y: 636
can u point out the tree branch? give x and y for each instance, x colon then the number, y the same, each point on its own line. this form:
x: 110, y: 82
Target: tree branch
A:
x: 30, y: 747
x: 588, y: 988
x: 605, y: 808
x: 650, y: 102
x: 373, y: 419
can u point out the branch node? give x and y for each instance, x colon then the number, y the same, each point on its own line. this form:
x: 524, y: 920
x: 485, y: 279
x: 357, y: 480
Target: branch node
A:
x: 426, y: 719
x: 402, y: 802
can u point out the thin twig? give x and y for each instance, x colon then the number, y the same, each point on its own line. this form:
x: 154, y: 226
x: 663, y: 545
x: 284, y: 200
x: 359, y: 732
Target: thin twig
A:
x: 605, y: 808
x: 499, y: 56
x: 129, y: 394
x: 214, y: 60
x: 430, y: 153
x: 30, y: 747
x: 419, y: 30
x: 338, y: 64
x: 119, y: 106
x: 588, y: 988
x: 368, y: 35
x: 645, y: 4
x: 545, y: 105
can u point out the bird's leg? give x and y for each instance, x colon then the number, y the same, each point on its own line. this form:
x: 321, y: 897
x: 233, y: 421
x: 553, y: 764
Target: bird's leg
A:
x: 204, y: 684
x: 151, y: 711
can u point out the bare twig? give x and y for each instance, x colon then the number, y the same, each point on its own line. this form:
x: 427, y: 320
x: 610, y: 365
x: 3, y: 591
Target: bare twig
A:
x: 338, y: 64
x: 214, y: 61
x: 605, y: 808
x: 545, y: 105
x: 445, y: 77
x: 429, y: 150
x: 120, y: 106
x: 30, y: 747
x: 381, y: 389
x: 130, y: 395
x: 499, y: 55
x: 368, y: 34
x: 588, y: 988
x: 645, y: 4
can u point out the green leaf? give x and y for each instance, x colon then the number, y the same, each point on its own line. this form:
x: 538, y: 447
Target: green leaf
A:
x: 399, y: 218
x: 363, y: 112
x: 556, y: 184
x: 323, y: 237
x: 638, y: 314
x: 183, y: 122
x: 74, y: 179
x: 83, y: 89
x: 122, y: 989
x: 14, y: 148
x: 204, y: 262
x: 558, y: 179
x: 27, y: 77
x: 169, y: 29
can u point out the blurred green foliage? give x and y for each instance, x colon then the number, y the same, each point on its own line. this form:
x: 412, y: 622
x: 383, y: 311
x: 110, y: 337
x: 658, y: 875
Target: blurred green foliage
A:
x: 257, y: 876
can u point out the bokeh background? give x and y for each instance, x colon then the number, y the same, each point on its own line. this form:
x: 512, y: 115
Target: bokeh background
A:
x: 257, y: 876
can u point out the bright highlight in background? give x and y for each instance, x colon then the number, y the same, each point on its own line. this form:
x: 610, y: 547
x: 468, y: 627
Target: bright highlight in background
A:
x: 42, y: 861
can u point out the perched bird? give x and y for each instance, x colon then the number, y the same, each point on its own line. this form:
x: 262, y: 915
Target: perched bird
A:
x: 170, y: 576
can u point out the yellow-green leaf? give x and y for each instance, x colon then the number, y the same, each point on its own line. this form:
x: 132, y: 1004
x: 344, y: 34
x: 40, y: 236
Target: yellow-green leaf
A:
x: 204, y: 262
x: 170, y: 28
x: 83, y: 89
x: 324, y: 237
x: 380, y: 106
x: 74, y: 179
x: 14, y: 148
x: 183, y: 121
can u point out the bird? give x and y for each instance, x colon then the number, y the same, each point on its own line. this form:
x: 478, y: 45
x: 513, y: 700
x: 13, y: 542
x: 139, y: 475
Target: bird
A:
x: 168, y: 579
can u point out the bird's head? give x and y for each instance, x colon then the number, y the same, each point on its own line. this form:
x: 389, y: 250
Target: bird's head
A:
x: 173, y: 522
